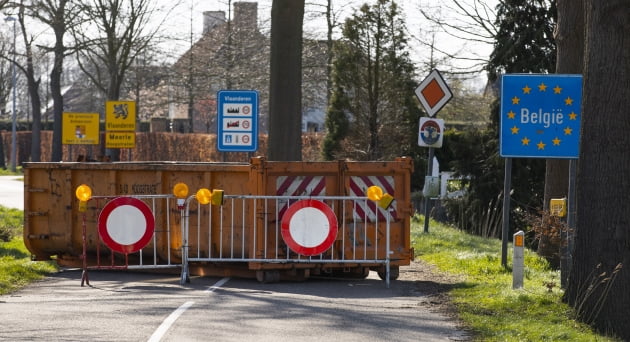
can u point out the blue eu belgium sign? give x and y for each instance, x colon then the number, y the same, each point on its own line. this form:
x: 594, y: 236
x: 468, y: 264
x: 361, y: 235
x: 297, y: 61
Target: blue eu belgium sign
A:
x: 540, y: 116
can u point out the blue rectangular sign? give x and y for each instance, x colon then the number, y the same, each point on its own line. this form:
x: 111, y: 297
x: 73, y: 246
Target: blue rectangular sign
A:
x: 237, y: 113
x: 540, y: 116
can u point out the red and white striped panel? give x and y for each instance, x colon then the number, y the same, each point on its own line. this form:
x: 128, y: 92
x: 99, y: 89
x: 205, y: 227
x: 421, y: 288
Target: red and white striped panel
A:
x: 368, y: 210
x: 299, y: 186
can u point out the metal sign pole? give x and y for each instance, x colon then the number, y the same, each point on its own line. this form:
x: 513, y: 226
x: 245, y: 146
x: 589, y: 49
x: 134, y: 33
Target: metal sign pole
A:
x: 427, y: 199
x: 507, y: 184
x: 565, y: 268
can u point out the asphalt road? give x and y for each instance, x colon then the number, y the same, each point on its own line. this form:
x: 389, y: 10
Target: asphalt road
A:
x: 121, y: 306
x: 12, y: 192
x: 129, y: 306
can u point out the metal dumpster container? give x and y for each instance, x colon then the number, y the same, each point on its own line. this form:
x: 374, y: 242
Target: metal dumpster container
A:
x: 54, y: 227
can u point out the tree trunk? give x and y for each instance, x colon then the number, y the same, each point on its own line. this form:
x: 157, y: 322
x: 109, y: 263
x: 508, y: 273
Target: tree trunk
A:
x: 569, y: 60
x: 55, y: 92
x: 36, y: 104
x: 569, y: 37
x: 113, y: 94
x: 33, y: 90
x: 603, y: 221
x: 285, y: 88
x: 3, y: 164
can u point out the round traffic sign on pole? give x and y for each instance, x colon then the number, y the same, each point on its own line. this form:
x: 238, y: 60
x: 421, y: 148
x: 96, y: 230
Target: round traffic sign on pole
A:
x: 126, y: 224
x: 431, y: 132
x: 309, y: 227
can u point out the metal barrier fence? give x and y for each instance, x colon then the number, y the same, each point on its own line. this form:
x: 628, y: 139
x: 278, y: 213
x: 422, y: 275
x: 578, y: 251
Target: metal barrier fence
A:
x: 152, y: 256
x: 248, y: 229
x: 243, y: 229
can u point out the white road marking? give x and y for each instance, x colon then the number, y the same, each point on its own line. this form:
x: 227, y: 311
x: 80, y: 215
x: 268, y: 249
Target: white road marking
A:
x: 168, y: 322
x: 218, y: 284
x: 163, y: 328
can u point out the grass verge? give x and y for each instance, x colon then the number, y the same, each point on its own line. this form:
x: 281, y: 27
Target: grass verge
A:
x: 7, y: 172
x: 16, y: 267
x: 485, y: 300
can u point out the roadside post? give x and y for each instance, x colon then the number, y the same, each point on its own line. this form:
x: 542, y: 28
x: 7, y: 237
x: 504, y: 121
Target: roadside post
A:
x: 518, y: 260
x: 433, y: 94
x: 558, y: 207
x: 84, y: 194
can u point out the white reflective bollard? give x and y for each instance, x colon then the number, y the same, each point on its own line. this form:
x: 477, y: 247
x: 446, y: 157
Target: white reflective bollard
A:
x: 518, y: 260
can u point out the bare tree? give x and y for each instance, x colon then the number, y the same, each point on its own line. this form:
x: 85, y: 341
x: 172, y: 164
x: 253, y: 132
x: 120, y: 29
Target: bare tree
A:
x: 462, y: 21
x: 59, y: 15
x: 333, y: 14
x: 5, y: 86
x: 112, y: 34
x: 232, y: 53
x: 33, y: 82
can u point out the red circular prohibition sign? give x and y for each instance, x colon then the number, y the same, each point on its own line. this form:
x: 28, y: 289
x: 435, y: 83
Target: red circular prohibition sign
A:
x: 309, y: 227
x: 126, y: 224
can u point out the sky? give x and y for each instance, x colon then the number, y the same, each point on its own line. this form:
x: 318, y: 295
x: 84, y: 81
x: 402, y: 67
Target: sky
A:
x: 179, y: 20
x: 180, y: 16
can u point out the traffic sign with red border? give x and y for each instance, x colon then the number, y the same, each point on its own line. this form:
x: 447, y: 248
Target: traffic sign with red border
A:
x: 309, y: 227
x: 431, y: 132
x: 126, y: 224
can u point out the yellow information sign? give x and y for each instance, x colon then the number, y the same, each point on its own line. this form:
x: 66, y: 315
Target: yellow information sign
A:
x: 558, y: 207
x: 80, y: 129
x: 120, y: 116
x: 120, y: 139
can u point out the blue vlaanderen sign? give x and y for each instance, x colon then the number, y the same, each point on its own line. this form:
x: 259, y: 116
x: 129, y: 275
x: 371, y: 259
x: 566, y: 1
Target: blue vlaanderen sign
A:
x: 237, y: 112
x: 540, y: 116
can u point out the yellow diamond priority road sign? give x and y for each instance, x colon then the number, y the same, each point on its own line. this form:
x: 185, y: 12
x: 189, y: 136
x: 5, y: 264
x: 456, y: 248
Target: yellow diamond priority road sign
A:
x: 433, y: 93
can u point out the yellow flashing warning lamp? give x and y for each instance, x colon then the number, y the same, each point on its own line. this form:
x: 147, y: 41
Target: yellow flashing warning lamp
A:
x: 180, y: 190
x: 84, y: 194
x: 203, y: 196
x: 375, y: 193
x: 558, y: 207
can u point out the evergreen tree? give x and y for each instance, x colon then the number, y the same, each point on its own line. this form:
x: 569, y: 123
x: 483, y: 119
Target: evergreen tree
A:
x: 524, y: 44
x: 336, y: 123
x: 372, y: 114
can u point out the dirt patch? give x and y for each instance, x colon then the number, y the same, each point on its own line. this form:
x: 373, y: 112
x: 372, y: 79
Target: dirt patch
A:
x: 431, y: 287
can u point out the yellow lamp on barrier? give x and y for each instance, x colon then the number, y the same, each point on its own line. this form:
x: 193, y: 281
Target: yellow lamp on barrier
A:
x: 375, y: 193
x: 203, y: 196
x: 84, y: 194
x: 180, y: 190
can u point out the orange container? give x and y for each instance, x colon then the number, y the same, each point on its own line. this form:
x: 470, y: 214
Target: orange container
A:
x: 54, y: 226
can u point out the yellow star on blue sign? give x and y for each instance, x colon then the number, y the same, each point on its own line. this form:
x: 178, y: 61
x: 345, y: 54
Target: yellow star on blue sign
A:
x: 540, y: 116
